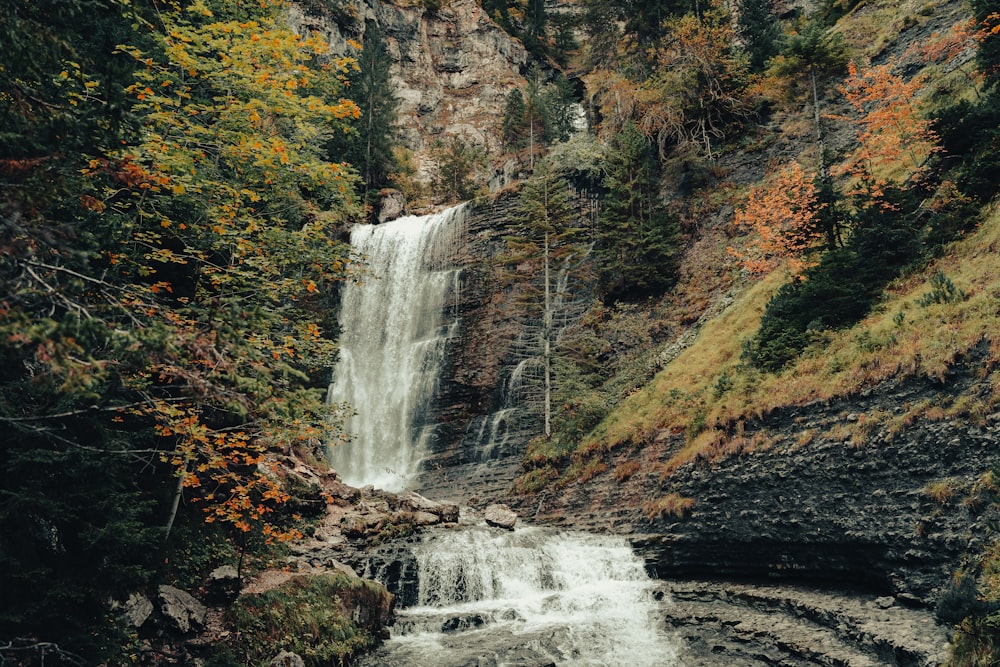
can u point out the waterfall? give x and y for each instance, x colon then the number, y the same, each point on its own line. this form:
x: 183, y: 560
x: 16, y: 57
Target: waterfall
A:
x: 531, y: 596
x: 393, y: 337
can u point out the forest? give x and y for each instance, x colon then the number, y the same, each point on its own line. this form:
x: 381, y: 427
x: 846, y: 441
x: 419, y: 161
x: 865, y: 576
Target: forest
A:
x: 176, y: 181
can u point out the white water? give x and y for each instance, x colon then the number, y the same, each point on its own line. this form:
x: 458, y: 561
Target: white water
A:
x: 532, y: 596
x: 393, y: 337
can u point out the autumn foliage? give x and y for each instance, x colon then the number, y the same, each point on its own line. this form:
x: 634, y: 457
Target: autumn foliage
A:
x: 781, y: 219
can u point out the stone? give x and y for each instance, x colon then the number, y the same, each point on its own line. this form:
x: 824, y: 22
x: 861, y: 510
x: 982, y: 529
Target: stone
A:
x: 499, y: 515
x: 181, y: 610
x: 392, y: 205
x: 137, y: 610
x: 287, y: 659
x: 416, y: 503
x: 223, y: 583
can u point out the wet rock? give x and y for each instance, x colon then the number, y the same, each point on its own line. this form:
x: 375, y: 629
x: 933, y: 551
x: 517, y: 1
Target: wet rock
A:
x: 499, y: 515
x: 181, y: 610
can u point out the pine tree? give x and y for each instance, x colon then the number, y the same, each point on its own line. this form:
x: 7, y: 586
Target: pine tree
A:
x: 552, y: 243
x: 637, y: 239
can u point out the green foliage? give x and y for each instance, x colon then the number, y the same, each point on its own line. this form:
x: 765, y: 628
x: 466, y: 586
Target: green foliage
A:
x: 760, y: 31
x: 637, y: 239
x: 942, y: 291
x: 168, y: 239
x: 838, y: 291
x: 311, y: 616
x: 457, y: 165
x: 370, y: 144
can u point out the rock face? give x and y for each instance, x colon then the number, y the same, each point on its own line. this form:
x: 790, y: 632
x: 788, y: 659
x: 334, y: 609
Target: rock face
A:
x: 814, y: 505
x: 182, y: 611
x: 453, y: 67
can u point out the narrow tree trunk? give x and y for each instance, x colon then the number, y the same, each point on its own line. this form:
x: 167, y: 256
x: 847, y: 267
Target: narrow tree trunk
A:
x: 547, y: 342
x: 819, y: 128
x: 175, y: 504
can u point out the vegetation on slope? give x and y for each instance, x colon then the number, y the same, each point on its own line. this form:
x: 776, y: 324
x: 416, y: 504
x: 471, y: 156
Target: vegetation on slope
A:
x: 171, y: 199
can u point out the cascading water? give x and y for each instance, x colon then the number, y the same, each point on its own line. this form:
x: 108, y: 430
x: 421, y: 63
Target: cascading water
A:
x: 528, y: 597
x: 393, y: 337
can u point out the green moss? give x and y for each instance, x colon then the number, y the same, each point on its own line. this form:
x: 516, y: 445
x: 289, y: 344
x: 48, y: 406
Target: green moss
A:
x: 327, y: 619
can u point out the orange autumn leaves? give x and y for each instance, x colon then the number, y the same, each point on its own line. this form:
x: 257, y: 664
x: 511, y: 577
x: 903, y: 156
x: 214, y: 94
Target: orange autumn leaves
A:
x: 781, y: 217
x: 894, y: 145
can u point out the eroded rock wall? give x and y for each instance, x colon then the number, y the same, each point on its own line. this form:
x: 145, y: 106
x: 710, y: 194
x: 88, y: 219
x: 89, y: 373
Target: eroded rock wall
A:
x: 836, y: 495
x: 453, y: 67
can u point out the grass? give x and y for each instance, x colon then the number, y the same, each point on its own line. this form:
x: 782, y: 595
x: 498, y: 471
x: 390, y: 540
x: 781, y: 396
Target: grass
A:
x: 670, y: 505
x: 327, y: 619
x: 708, y: 393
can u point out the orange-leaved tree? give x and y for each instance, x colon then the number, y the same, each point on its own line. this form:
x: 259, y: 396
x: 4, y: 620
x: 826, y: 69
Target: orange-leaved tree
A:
x: 895, y: 142
x: 782, y: 218
x: 231, y: 211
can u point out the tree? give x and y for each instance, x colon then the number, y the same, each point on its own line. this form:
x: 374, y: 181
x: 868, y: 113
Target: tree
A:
x: 637, y: 239
x: 783, y: 218
x: 164, y: 267
x: 895, y: 142
x: 759, y: 30
x: 457, y: 162
x: 552, y: 244
x: 370, y: 148
x: 512, y: 125
x: 819, y: 54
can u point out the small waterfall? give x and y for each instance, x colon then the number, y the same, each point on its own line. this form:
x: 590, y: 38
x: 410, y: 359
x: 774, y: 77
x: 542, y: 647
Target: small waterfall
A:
x: 531, y: 596
x: 393, y: 337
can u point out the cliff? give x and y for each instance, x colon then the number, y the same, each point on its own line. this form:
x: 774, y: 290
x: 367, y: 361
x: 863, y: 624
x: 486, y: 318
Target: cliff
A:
x: 453, y: 67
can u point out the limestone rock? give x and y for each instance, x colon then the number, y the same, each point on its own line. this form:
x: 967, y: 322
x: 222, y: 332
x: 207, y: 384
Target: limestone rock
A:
x: 416, y: 503
x: 453, y: 68
x: 181, y: 609
x: 392, y: 205
x: 499, y: 515
x: 137, y: 610
x: 287, y: 659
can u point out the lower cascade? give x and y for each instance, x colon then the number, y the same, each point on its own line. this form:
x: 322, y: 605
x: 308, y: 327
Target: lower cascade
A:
x: 532, y: 596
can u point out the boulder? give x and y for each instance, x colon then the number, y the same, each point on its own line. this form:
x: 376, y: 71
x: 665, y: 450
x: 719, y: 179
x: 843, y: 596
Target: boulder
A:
x: 137, y: 610
x: 287, y: 659
x: 391, y: 205
x: 223, y: 583
x: 499, y: 515
x: 416, y: 503
x: 181, y: 609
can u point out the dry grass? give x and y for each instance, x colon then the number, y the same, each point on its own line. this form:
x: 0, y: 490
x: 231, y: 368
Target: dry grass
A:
x: 925, y: 341
x: 672, y: 504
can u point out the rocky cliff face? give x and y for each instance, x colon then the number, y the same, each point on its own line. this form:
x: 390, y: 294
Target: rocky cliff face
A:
x: 836, y: 495
x: 454, y: 67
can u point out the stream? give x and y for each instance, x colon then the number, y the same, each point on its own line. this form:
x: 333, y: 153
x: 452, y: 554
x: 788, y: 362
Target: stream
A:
x: 529, y: 597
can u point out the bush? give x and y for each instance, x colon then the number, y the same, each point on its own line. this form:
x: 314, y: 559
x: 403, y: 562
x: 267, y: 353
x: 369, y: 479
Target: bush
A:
x: 327, y: 619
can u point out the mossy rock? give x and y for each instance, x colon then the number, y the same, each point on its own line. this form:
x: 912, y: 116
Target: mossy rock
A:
x: 328, y: 619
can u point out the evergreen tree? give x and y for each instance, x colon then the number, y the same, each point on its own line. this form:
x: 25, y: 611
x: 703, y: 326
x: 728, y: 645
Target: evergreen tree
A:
x: 552, y: 244
x: 370, y: 148
x: 760, y: 31
x: 513, y: 123
x: 637, y: 239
